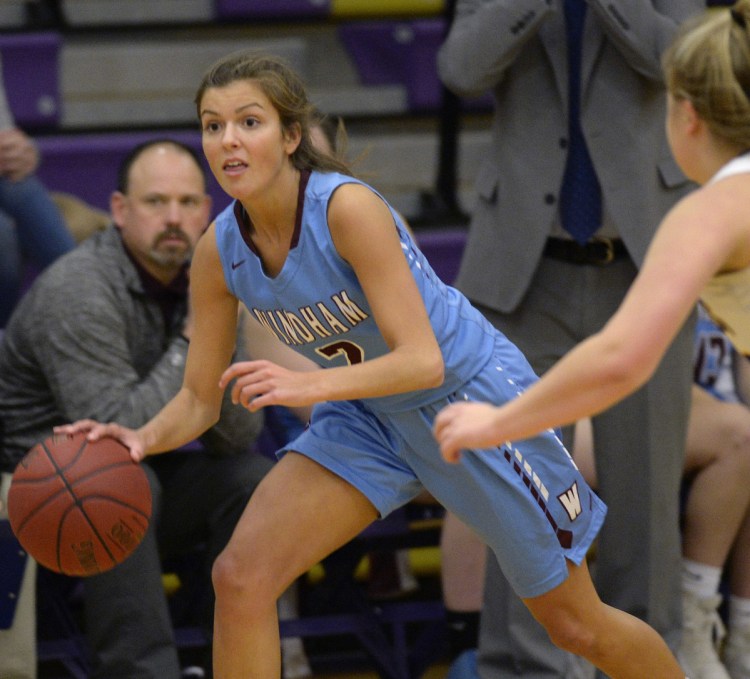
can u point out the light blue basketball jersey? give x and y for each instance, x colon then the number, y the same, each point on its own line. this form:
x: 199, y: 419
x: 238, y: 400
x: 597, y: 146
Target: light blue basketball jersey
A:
x: 316, y: 304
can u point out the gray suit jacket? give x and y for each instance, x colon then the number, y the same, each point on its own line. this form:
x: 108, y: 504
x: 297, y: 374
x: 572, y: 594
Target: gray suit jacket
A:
x: 518, y: 49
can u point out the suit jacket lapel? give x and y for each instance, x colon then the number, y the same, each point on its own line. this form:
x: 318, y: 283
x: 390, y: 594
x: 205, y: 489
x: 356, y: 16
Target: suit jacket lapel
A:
x: 552, y: 33
x: 593, y: 39
x: 552, y: 36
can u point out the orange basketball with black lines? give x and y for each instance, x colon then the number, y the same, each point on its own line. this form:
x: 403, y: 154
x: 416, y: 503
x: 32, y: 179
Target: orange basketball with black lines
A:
x: 79, y: 507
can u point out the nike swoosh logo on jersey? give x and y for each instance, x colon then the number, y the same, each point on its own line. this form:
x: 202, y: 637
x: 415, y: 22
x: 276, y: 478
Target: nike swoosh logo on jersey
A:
x: 236, y: 264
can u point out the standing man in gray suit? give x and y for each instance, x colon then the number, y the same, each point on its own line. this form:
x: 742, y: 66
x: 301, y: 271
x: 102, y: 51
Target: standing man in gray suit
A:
x: 575, y: 181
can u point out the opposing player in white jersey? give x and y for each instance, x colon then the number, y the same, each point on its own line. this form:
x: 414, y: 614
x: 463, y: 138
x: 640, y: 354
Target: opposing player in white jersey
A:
x: 323, y: 262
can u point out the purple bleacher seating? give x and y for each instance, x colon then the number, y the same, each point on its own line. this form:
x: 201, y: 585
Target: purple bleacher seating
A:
x: 12, y: 564
x: 272, y: 9
x: 382, y: 9
x: 86, y: 165
x: 398, y: 52
x: 31, y: 77
x: 401, y: 52
x: 443, y: 248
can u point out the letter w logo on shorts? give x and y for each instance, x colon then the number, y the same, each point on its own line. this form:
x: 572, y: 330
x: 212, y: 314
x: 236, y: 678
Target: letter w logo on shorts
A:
x: 571, y: 502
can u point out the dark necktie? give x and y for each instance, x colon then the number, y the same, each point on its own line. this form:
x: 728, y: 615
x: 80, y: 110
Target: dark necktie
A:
x: 580, y: 197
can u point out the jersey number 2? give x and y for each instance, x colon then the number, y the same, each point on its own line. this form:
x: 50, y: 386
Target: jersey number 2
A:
x: 352, y: 352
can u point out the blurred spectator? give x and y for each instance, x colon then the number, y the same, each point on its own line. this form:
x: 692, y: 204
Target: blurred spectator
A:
x: 32, y: 229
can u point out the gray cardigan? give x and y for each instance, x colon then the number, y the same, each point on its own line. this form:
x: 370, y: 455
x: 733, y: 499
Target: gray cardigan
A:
x: 86, y: 342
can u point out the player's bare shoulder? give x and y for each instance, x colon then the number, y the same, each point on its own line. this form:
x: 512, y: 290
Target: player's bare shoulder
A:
x: 350, y: 200
x: 357, y: 216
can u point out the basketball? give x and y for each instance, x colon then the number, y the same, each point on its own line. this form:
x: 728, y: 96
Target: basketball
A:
x: 79, y: 507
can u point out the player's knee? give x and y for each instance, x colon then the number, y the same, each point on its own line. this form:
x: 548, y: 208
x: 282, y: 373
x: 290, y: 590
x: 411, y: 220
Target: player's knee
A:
x: 737, y: 445
x: 224, y: 574
x: 236, y: 581
x: 572, y: 635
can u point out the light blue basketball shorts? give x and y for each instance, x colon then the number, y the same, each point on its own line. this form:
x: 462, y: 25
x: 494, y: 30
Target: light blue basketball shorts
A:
x: 526, y: 499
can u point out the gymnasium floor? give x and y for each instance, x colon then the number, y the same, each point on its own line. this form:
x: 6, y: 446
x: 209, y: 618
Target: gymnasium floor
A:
x: 359, y: 670
x: 436, y: 672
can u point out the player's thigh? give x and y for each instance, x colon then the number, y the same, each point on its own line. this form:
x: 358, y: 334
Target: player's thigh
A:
x: 715, y: 428
x: 298, y: 514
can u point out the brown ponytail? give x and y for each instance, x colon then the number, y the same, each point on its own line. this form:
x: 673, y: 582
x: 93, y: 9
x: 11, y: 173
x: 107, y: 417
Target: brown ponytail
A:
x: 708, y: 63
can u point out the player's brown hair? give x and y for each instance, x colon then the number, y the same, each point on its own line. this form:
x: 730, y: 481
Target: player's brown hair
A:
x: 286, y: 92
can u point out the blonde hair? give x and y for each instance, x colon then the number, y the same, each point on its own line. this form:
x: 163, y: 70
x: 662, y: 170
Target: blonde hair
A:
x: 286, y: 92
x: 708, y: 64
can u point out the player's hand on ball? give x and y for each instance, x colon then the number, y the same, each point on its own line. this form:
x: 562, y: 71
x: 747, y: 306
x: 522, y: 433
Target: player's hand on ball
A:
x: 96, y: 430
x: 463, y: 426
x: 263, y: 383
x: 79, y: 507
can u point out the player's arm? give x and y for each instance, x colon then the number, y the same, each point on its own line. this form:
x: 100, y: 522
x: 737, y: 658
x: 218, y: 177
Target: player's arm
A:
x: 699, y: 237
x: 363, y: 232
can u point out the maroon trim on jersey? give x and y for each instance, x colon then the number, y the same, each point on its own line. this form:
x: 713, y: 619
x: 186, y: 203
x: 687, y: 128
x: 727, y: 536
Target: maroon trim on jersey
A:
x: 246, y: 224
x: 304, y: 177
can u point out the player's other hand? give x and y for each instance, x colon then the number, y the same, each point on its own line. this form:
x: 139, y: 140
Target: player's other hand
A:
x: 263, y: 383
x: 461, y: 426
x: 96, y: 430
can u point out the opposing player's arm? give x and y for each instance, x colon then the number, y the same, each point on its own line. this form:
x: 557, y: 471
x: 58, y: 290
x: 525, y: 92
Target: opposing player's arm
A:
x: 613, y: 363
x: 683, y: 257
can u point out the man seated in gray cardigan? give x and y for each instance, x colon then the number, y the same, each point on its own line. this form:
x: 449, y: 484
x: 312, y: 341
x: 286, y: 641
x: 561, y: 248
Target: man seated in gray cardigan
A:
x: 103, y: 333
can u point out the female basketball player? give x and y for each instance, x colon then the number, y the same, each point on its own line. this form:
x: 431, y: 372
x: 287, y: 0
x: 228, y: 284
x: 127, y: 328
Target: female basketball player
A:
x: 326, y: 265
x: 701, y: 250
